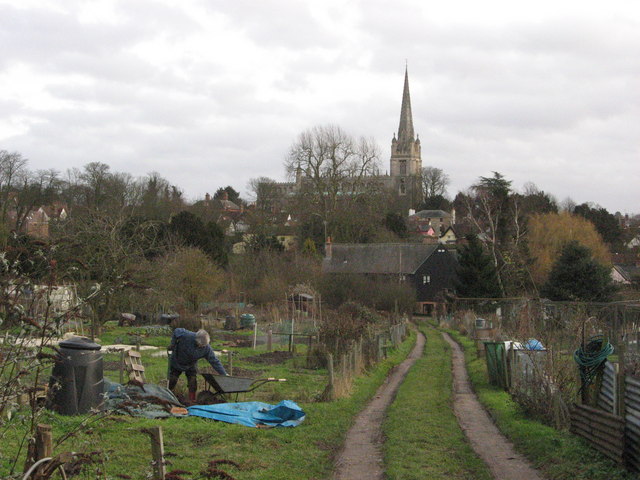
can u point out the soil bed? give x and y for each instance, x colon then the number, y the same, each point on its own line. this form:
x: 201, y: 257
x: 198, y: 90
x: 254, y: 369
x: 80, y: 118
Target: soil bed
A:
x: 270, y: 358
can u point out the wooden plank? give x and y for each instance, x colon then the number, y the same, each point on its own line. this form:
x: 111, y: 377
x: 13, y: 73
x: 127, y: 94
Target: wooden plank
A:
x: 134, y: 366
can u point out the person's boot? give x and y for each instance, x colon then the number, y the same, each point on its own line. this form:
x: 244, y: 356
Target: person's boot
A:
x: 192, y: 398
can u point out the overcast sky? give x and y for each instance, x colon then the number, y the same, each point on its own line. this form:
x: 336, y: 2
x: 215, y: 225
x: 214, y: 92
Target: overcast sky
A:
x: 212, y: 93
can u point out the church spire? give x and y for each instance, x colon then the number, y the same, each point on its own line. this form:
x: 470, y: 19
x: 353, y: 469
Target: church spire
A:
x: 405, y: 130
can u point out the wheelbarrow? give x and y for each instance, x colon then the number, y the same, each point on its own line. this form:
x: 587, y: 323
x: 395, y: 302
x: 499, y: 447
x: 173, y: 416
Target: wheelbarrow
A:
x: 225, y: 386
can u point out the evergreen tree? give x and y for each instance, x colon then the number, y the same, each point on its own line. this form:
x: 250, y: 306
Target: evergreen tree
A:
x: 476, y: 273
x: 232, y: 194
x: 194, y: 232
x: 395, y: 223
x: 576, y: 276
x: 606, y: 223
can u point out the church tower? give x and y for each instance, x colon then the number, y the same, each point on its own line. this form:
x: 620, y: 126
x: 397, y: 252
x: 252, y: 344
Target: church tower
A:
x: 406, y: 161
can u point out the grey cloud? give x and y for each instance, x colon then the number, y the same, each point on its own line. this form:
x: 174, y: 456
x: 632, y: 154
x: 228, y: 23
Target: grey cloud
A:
x: 277, y: 23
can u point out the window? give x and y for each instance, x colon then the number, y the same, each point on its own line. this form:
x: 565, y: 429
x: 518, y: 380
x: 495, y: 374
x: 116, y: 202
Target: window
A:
x: 403, y: 167
x: 403, y: 187
x: 426, y: 279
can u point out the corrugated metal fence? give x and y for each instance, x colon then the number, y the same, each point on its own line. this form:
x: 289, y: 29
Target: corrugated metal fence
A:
x: 607, y: 399
x: 603, y: 430
x: 607, y: 428
x: 632, y: 420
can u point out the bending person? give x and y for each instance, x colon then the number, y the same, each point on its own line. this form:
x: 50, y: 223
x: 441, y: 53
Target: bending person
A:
x: 189, y: 347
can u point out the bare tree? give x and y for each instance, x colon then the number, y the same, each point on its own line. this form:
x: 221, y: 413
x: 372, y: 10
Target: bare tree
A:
x: 12, y: 166
x: 34, y: 190
x: 567, y: 205
x: 337, y: 168
x: 485, y: 206
x: 434, y: 182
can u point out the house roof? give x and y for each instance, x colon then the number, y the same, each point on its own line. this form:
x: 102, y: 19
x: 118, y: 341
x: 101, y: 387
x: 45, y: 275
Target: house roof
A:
x: 628, y: 272
x: 430, y: 214
x: 228, y: 205
x: 381, y: 258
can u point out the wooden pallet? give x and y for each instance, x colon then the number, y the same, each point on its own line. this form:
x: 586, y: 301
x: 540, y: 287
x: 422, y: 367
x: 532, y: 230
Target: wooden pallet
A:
x: 133, y: 365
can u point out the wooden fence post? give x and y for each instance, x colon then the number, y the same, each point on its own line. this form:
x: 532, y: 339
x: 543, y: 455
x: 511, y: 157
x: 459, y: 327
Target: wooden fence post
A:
x: 230, y: 357
x: 122, y: 367
x: 157, y: 450
x: 255, y: 334
x: 332, y: 378
x: 41, y: 447
x: 44, y: 441
x: 269, y: 340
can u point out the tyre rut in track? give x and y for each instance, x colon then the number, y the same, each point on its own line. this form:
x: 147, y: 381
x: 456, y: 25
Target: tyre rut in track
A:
x: 361, y: 455
x: 485, y: 438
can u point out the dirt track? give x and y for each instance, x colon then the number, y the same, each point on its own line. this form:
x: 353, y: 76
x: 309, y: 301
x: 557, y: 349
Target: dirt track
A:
x: 485, y: 438
x: 361, y: 457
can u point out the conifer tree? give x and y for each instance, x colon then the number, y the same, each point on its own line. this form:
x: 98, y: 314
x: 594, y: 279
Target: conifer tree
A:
x: 576, y: 276
x: 476, y: 273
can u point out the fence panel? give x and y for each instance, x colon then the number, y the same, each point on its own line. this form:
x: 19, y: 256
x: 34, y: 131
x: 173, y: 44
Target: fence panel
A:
x: 608, y: 391
x: 604, y: 431
x: 632, y: 421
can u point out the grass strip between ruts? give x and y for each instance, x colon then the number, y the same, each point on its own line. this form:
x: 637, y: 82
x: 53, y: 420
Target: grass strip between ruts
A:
x: 558, y: 454
x: 423, y: 438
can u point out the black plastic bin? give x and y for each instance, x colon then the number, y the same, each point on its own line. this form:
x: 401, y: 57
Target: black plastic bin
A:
x: 77, y: 379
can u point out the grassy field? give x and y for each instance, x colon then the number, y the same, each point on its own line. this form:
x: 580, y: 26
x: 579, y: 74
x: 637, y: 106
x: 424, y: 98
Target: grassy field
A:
x: 423, y: 439
x: 304, y: 452
x: 560, y: 455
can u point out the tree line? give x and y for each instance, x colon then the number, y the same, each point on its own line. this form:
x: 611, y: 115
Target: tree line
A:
x: 140, y: 238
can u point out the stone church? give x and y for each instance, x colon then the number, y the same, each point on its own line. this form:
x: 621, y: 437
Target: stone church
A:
x: 406, y: 161
x: 403, y: 180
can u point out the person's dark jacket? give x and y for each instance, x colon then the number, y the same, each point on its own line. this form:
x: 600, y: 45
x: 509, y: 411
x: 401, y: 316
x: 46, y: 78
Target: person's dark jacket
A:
x: 186, y: 352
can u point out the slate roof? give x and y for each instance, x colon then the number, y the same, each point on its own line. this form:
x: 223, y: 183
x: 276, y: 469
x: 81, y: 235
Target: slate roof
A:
x: 430, y: 214
x: 628, y: 272
x: 381, y: 258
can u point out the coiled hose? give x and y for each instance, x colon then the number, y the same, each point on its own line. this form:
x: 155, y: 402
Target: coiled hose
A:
x: 591, y: 358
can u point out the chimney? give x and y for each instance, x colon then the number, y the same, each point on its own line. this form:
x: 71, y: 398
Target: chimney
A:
x: 327, y: 248
x: 207, y: 197
x: 225, y: 195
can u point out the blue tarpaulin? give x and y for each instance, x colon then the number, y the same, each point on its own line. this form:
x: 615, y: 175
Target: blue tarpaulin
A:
x: 533, y: 344
x: 252, y: 414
